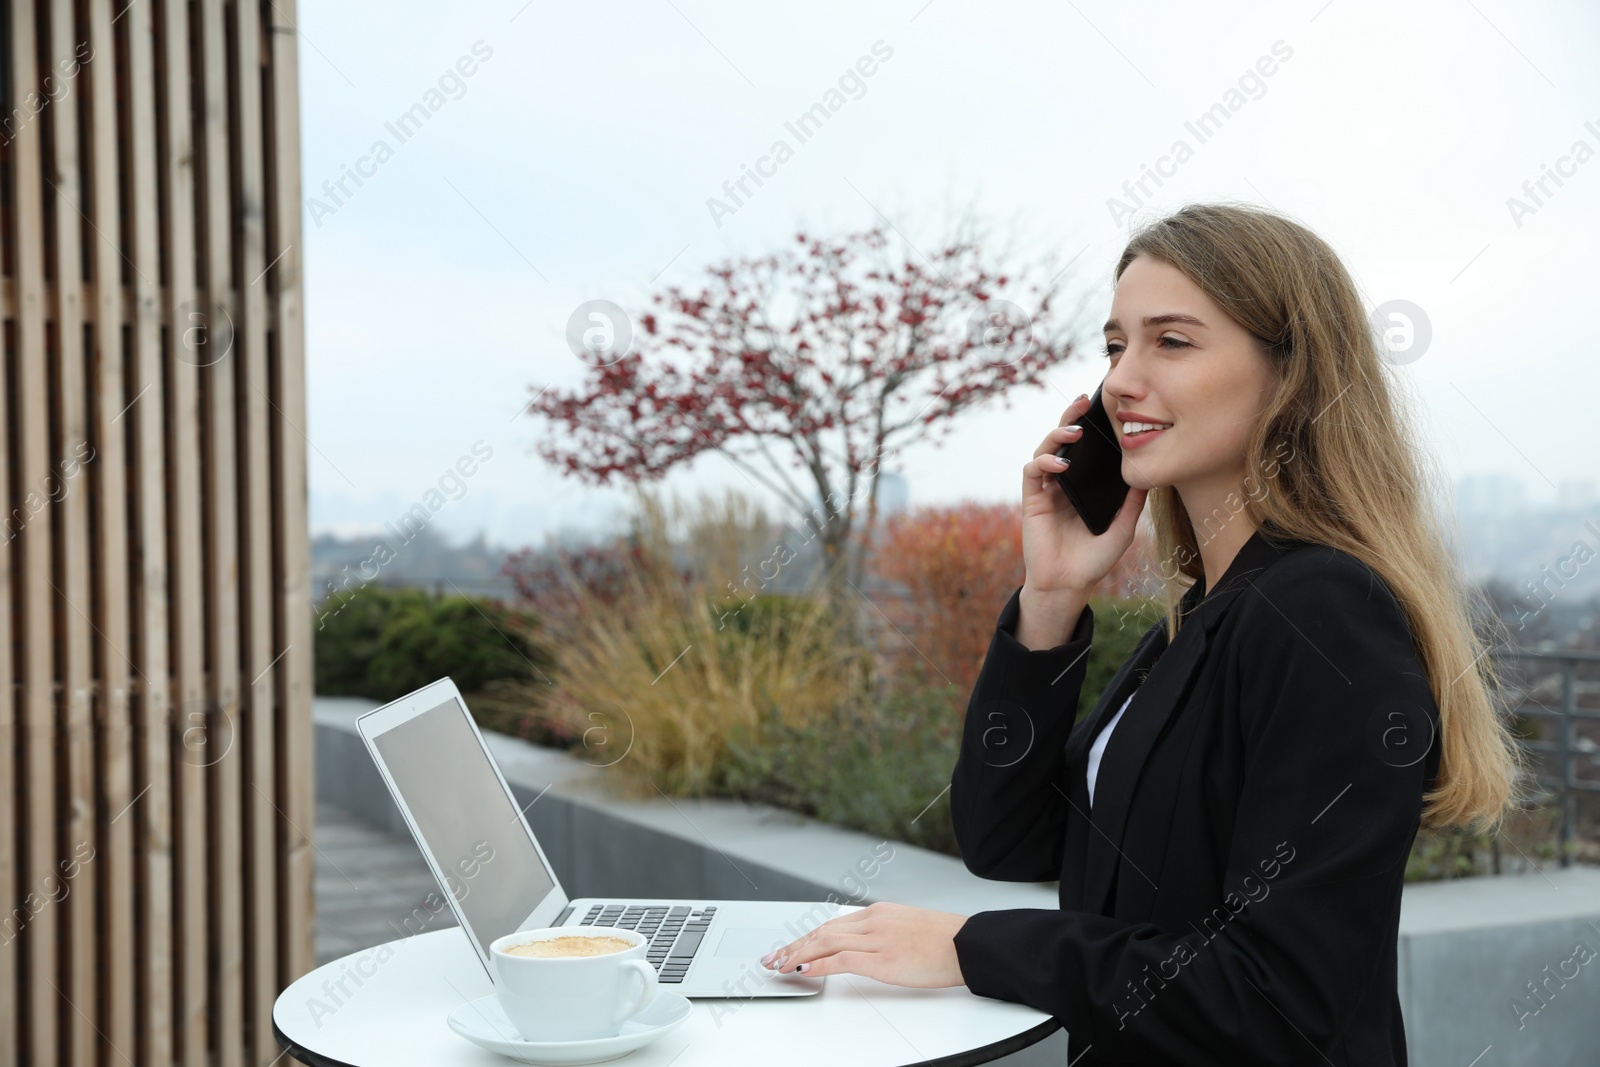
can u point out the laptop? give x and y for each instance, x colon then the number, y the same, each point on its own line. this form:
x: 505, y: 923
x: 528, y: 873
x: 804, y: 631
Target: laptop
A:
x: 494, y: 874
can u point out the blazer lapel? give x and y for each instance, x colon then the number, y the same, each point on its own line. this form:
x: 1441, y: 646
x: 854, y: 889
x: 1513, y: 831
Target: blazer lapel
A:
x: 1127, y: 678
x: 1164, y: 689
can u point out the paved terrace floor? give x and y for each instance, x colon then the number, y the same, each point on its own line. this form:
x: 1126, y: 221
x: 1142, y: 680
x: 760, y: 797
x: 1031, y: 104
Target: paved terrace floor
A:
x: 368, y: 883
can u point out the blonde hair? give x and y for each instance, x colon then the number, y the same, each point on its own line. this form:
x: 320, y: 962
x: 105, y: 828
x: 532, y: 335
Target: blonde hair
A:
x: 1354, y: 479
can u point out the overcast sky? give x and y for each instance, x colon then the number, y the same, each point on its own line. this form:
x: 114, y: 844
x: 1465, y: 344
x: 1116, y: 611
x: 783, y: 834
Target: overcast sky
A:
x: 575, y: 162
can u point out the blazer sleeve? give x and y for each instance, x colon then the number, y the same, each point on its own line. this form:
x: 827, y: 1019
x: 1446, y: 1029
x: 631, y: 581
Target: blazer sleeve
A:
x: 1008, y: 815
x: 1330, y: 693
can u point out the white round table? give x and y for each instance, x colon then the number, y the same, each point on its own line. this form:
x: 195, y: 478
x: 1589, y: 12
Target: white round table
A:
x: 387, y: 1005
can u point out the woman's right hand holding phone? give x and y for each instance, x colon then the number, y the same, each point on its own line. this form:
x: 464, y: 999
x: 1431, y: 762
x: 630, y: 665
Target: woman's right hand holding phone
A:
x: 1063, y: 560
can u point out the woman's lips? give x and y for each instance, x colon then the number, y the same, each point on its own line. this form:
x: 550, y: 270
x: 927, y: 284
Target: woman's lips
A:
x: 1138, y: 440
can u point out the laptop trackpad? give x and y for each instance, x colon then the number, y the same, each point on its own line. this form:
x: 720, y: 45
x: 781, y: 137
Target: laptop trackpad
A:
x: 751, y: 942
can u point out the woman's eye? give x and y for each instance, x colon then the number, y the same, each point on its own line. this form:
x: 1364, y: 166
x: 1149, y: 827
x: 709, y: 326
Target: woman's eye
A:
x: 1167, y: 342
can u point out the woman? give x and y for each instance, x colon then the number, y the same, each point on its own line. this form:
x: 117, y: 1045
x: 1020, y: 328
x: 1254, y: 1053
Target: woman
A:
x: 1230, y: 824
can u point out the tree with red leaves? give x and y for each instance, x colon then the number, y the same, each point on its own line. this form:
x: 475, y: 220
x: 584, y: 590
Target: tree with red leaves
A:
x: 958, y: 564
x: 835, y: 353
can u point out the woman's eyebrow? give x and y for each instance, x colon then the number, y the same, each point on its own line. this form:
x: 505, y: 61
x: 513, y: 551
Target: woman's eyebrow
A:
x: 1159, y: 320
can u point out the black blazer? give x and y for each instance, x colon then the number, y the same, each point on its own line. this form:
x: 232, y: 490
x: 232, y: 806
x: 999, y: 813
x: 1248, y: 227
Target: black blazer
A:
x: 1233, y: 897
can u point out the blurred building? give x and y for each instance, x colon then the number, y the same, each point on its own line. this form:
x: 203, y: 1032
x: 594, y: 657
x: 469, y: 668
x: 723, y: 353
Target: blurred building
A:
x: 1488, y: 494
x: 894, y: 493
x: 1576, y: 494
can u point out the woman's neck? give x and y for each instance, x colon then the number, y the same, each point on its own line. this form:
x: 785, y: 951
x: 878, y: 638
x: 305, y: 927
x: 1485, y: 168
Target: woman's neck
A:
x: 1221, y: 527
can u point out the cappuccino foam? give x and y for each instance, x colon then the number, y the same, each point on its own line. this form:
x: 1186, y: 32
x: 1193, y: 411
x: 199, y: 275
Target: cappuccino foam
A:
x: 572, y: 945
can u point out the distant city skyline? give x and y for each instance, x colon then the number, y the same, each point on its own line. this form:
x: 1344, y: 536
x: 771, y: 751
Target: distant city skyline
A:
x: 1475, y: 495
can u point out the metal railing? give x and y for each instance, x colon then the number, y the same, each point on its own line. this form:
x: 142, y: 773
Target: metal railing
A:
x: 1539, y: 672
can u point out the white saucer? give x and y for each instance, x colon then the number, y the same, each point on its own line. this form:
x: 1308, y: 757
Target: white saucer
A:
x: 483, y: 1022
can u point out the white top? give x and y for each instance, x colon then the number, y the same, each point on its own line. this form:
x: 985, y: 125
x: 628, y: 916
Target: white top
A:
x: 1099, y: 746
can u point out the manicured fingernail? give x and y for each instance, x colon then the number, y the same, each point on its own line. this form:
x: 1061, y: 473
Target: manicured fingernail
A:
x: 766, y: 961
x: 800, y: 967
x: 1074, y: 427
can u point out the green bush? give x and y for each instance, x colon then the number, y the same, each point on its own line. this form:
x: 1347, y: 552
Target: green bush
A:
x: 885, y: 771
x: 383, y: 643
x: 882, y: 773
x: 346, y: 638
x: 1119, y: 622
x: 778, y: 617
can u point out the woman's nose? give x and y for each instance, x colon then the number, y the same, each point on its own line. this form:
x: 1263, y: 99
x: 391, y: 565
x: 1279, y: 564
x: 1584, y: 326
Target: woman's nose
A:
x: 1121, y: 385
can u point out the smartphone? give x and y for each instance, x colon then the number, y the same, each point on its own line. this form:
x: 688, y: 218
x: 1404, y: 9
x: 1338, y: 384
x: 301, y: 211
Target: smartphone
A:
x: 1093, y: 479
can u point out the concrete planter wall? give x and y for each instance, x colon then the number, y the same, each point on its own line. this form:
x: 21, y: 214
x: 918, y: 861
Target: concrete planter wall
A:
x: 1468, y: 949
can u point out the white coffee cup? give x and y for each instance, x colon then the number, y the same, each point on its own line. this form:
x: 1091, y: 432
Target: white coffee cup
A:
x: 572, y: 998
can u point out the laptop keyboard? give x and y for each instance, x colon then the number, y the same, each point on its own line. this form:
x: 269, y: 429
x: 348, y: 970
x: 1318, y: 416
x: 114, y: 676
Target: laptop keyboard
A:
x: 674, y: 932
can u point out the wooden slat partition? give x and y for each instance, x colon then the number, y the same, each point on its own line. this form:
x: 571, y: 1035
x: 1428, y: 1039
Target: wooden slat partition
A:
x: 258, y: 727
x: 183, y: 345
x: 144, y: 409
x: 155, y: 657
x: 35, y: 652
x: 76, y: 825
x: 108, y: 487
x: 12, y: 733
x: 221, y: 536
x: 291, y: 539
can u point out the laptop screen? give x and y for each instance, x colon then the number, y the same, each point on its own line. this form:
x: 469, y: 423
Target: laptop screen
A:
x: 468, y: 823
